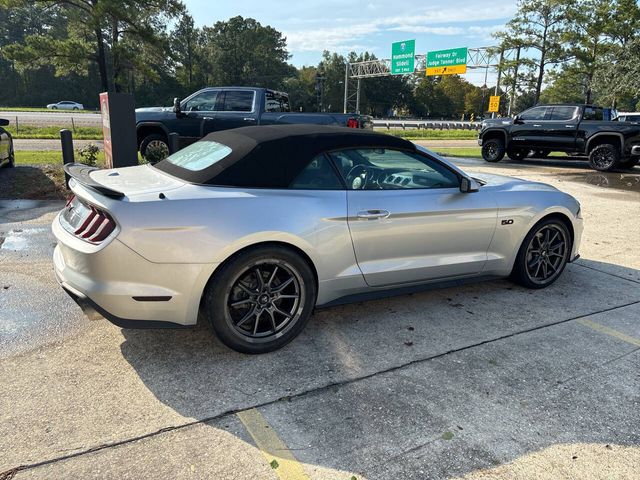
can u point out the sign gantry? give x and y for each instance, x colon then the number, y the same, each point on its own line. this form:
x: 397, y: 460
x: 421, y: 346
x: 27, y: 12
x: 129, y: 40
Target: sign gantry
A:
x: 445, y: 61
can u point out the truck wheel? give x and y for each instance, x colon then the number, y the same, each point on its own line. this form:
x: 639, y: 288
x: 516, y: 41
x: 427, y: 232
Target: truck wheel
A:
x: 493, y: 150
x: 629, y: 163
x: 154, y: 147
x: 517, y: 153
x: 604, y: 157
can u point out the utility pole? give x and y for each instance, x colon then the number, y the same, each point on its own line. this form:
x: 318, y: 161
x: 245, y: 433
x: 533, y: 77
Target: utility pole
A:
x: 493, y: 114
x: 512, y: 98
x: 346, y: 86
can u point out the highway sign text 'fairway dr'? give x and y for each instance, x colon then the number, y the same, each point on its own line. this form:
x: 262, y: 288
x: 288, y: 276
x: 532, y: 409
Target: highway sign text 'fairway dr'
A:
x: 447, y: 62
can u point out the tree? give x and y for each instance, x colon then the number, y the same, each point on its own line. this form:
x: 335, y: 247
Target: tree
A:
x: 95, y: 29
x: 241, y: 51
x: 186, y: 46
x: 538, y: 25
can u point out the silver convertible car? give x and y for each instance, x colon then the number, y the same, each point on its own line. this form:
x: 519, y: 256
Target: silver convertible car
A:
x: 254, y: 227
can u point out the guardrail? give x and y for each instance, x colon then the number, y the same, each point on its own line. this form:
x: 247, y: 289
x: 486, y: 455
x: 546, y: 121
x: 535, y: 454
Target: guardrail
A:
x: 426, y: 124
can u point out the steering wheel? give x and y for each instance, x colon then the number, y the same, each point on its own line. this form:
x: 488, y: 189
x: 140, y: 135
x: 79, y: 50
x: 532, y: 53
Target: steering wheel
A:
x: 358, y: 177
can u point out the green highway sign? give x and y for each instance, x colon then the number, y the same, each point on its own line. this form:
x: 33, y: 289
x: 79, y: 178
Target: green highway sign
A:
x: 403, y: 57
x: 447, y: 62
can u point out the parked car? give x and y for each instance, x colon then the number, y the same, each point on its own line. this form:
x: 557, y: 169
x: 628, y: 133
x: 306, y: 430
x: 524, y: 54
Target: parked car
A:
x: 257, y: 226
x: 65, y: 105
x: 574, y: 129
x: 214, y: 109
x: 7, y: 156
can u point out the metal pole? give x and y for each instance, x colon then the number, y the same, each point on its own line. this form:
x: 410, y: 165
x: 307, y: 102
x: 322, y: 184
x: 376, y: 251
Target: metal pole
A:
x: 346, y: 86
x: 515, y: 82
x: 174, y: 142
x: 484, y: 90
x: 493, y: 114
x: 358, y: 97
x: 66, y: 141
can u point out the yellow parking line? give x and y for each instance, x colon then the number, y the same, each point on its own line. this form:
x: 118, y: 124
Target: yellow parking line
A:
x: 610, y: 331
x: 272, y: 448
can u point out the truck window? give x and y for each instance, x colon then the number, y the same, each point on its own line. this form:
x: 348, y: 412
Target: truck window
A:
x: 203, y: 102
x: 238, y: 101
x: 536, y: 113
x: 564, y: 113
x: 276, y: 102
x: 592, y: 113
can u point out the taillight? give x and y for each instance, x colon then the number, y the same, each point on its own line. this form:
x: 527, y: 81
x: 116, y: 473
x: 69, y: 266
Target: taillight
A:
x: 86, y: 221
x: 353, y: 123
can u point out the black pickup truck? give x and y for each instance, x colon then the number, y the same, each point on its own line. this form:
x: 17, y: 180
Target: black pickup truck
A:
x: 213, y: 109
x: 574, y: 129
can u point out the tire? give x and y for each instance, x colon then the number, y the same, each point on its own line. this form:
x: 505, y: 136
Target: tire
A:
x: 493, y: 150
x: 530, y: 268
x: 260, y: 321
x: 75, y: 108
x: 629, y: 163
x: 12, y: 158
x: 54, y: 108
x: 517, y: 154
x: 154, y: 139
x: 604, y: 157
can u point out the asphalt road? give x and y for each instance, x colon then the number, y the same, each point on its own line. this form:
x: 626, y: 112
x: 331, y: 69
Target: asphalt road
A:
x: 61, y: 118
x: 486, y: 380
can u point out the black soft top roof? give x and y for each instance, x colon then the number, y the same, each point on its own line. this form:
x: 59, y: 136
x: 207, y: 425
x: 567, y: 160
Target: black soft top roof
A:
x: 271, y: 154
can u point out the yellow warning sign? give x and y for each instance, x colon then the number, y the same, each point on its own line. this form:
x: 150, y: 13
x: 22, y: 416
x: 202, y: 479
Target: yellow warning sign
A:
x: 451, y: 70
x: 494, y: 103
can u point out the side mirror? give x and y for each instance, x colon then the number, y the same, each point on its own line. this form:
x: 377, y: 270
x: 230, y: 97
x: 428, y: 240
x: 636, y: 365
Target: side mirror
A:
x: 517, y: 120
x: 4, y: 122
x: 176, y: 106
x: 468, y: 185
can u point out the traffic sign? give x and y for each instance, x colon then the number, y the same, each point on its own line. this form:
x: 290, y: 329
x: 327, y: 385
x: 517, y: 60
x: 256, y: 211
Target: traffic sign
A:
x: 494, y: 103
x: 403, y: 57
x: 447, y: 62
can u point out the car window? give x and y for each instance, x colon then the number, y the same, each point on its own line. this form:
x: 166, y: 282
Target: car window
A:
x: 238, y: 101
x: 199, y: 155
x: 387, y: 169
x: 203, y: 102
x: 564, y: 113
x: 275, y: 102
x: 318, y: 175
x: 536, y: 113
x: 591, y: 113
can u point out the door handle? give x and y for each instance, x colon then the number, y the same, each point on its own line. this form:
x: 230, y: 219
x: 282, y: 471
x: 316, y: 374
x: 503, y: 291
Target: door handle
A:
x: 249, y: 119
x: 537, y: 125
x: 371, y: 214
x: 569, y: 126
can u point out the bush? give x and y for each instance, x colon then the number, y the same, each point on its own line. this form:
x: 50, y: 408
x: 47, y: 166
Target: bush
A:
x: 154, y: 153
x: 89, y: 154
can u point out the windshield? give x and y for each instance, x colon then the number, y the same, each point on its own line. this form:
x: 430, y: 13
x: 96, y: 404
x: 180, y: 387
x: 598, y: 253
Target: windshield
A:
x: 199, y: 155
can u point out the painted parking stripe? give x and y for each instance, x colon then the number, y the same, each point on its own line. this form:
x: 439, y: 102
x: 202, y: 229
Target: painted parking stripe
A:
x: 272, y: 448
x: 610, y: 331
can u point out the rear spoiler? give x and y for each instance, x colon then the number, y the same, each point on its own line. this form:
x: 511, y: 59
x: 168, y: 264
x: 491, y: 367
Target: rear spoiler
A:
x: 81, y: 173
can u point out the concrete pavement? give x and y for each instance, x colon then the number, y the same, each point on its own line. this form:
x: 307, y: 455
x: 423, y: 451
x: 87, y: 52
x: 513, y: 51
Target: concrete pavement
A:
x: 486, y: 380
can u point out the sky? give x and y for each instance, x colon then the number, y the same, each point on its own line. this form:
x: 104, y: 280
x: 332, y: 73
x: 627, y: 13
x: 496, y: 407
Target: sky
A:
x: 312, y: 26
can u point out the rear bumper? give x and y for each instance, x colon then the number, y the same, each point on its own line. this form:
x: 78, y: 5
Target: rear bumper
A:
x: 126, y: 288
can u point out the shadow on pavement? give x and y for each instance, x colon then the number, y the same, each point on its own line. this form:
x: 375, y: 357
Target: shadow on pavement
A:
x: 409, y: 366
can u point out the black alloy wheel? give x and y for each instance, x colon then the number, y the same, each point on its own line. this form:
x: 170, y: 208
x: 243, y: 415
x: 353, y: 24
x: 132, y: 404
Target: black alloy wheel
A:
x: 261, y: 299
x: 264, y: 299
x: 546, y: 254
x: 543, y: 255
x: 493, y: 150
x: 604, y: 157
